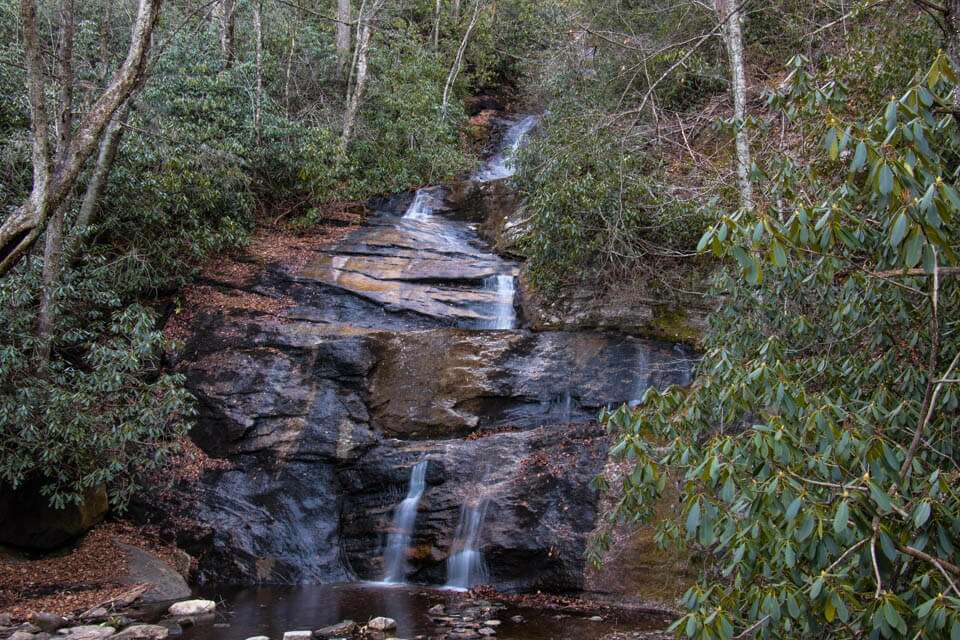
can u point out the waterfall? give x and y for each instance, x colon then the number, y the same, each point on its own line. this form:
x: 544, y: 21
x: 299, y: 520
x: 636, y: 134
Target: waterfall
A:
x: 421, y: 207
x: 503, y: 288
x: 401, y: 529
x: 503, y: 164
x: 465, y: 567
x: 643, y: 380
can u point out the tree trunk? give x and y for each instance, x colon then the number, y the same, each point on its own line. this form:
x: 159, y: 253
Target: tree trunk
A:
x: 353, y: 101
x: 458, y: 60
x: 455, y: 11
x: 343, y: 36
x: 52, y: 186
x: 67, y: 30
x: 52, y: 263
x: 101, y: 173
x: 731, y: 18
x: 227, y: 12
x: 437, y: 12
x: 258, y: 97
x: 286, y: 84
x: 53, y: 251
x: 358, y: 77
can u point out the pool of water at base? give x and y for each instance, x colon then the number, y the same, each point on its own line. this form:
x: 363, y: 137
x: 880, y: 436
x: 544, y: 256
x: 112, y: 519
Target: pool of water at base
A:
x: 271, y: 611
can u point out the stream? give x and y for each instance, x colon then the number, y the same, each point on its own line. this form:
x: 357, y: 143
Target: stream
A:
x: 397, y: 425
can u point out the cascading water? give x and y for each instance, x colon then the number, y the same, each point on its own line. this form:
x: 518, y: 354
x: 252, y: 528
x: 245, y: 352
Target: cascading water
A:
x: 421, y: 207
x: 465, y: 567
x: 401, y: 529
x: 503, y: 164
x: 504, y: 316
x: 642, y: 380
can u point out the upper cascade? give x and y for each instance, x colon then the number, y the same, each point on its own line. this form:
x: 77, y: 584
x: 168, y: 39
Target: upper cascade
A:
x: 424, y: 262
x: 503, y: 164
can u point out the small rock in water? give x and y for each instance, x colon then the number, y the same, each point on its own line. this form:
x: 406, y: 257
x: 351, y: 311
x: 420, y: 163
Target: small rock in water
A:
x: 517, y: 619
x: 259, y: 638
x: 486, y: 631
x: 21, y: 635
x: 88, y: 632
x: 382, y: 624
x: 48, y: 622
x: 97, y: 613
x: 596, y: 619
x: 492, y: 623
x: 297, y: 635
x: 343, y: 629
x: 436, y: 610
x: 192, y: 607
x: 142, y: 632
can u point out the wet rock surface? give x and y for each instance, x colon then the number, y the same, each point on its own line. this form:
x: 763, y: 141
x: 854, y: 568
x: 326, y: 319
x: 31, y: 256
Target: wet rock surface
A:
x: 381, y: 361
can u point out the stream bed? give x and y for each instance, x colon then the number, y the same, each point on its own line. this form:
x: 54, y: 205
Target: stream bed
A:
x: 271, y: 611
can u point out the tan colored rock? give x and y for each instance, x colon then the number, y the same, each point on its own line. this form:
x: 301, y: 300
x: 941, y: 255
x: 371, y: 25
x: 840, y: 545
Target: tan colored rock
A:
x: 142, y: 632
x: 382, y: 624
x: 192, y: 607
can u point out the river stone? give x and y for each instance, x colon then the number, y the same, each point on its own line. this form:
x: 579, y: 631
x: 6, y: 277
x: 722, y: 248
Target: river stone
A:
x: 486, y: 631
x: 142, y: 632
x: 88, y: 632
x: 192, y: 607
x: 258, y: 638
x: 339, y: 630
x: 165, y: 581
x: 436, y: 610
x: 382, y: 624
x: 297, y: 635
x: 492, y: 623
x: 48, y: 622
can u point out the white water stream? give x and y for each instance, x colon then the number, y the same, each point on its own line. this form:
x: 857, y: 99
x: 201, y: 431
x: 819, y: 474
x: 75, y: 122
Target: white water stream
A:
x: 401, y: 530
x: 504, y: 163
x: 465, y: 567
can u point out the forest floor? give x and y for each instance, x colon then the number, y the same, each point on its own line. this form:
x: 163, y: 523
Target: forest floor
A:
x: 86, y: 575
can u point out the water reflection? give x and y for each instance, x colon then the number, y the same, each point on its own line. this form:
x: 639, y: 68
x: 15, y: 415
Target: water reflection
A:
x: 271, y: 611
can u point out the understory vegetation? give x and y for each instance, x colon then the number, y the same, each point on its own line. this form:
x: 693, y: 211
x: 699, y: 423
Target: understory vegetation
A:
x: 817, y: 451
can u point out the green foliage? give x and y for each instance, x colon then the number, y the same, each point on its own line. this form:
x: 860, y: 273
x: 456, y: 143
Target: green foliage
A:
x: 818, y: 446
x: 180, y: 188
x: 401, y: 138
x: 597, y: 207
x: 102, y: 414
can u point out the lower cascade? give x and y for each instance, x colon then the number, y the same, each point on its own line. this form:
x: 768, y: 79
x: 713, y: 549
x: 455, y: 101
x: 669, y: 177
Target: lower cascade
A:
x: 504, y: 290
x: 401, y: 529
x: 465, y: 566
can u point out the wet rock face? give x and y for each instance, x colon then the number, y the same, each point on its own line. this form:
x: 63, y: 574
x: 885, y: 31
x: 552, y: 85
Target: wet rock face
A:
x: 452, y: 382
x: 320, y: 410
x: 534, y: 486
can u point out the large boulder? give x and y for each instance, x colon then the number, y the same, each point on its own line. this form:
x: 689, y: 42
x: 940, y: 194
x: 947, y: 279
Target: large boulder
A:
x: 28, y: 521
x: 145, y: 568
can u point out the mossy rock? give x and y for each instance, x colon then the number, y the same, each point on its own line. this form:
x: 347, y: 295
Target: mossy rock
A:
x: 28, y: 521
